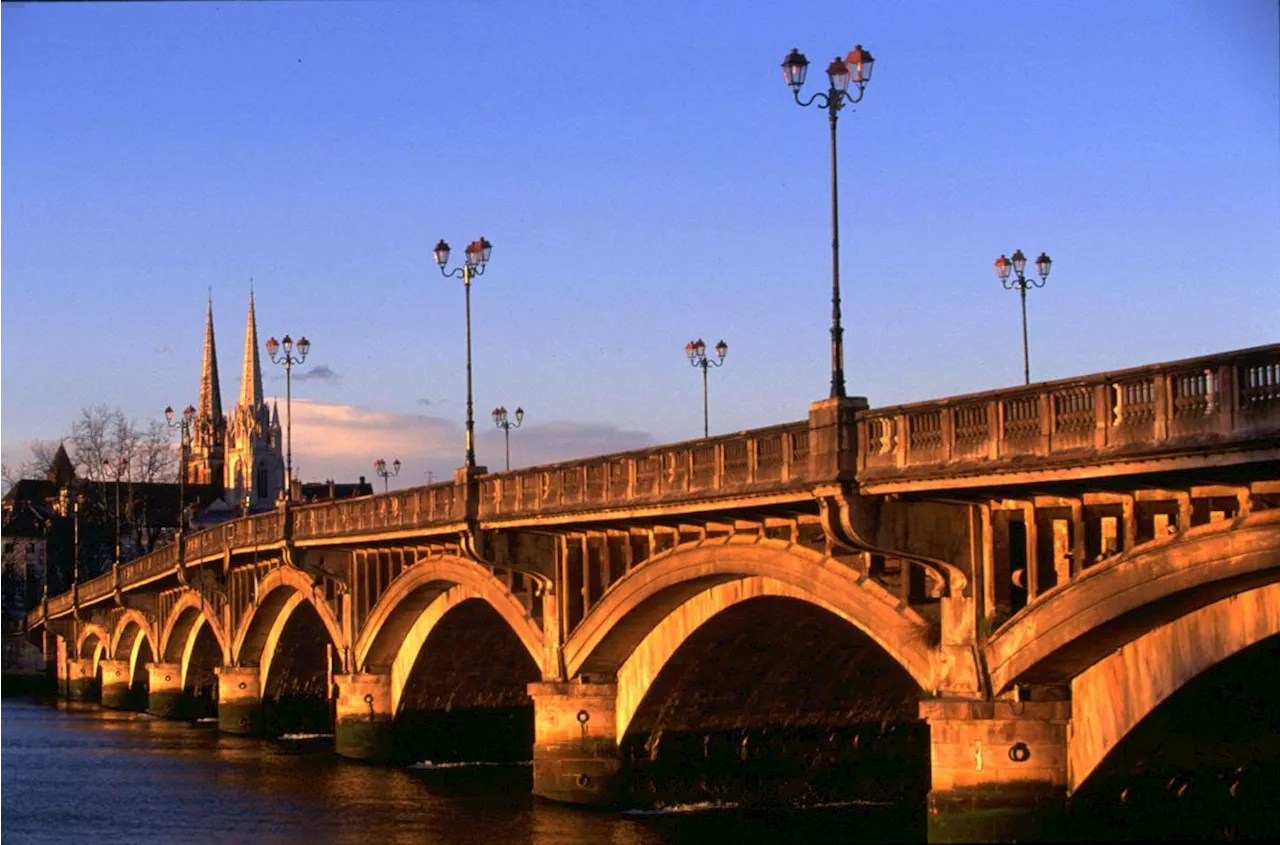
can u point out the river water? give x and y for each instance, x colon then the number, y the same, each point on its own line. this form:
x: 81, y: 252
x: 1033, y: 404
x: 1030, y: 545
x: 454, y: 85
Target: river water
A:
x: 73, y: 772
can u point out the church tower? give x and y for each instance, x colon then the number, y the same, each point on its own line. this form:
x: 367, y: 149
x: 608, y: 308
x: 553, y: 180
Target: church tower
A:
x: 254, y: 457
x: 209, y: 429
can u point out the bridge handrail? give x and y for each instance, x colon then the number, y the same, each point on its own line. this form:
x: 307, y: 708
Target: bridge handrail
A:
x: 728, y: 463
x: 402, y: 509
x: 1227, y: 396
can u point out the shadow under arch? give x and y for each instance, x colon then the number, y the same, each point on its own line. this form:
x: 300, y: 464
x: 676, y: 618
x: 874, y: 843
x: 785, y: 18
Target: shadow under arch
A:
x: 1110, y: 699
x: 279, y: 594
x: 92, y: 638
x: 416, y: 602
x: 126, y: 647
x: 1076, y: 624
x: 188, y: 616
x: 638, y: 604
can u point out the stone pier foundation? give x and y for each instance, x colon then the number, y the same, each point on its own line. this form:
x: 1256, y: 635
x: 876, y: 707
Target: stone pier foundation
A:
x: 239, y: 700
x: 997, y: 767
x: 164, y: 698
x: 80, y: 680
x: 115, y: 684
x: 362, y: 716
x: 575, y: 749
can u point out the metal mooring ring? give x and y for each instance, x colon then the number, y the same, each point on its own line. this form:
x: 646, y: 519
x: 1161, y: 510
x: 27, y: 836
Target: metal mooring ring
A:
x: 368, y: 698
x: 584, y: 780
x: 167, y: 678
x: 243, y: 685
x: 1019, y: 752
x: 583, y: 718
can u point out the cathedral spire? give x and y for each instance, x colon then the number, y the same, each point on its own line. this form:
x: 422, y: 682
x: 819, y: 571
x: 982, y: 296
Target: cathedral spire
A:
x: 210, y: 393
x: 251, y: 372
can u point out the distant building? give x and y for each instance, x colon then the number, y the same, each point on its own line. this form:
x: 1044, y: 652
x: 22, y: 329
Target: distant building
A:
x: 243, y: 452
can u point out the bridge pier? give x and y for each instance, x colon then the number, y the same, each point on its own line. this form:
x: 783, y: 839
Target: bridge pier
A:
x: 363, y: 721
x: 239, y: 700
x: 80, y: 679
x: 999, y: 768
x: 164, y: 698
x: 575, y: 746
x: 115, y: 684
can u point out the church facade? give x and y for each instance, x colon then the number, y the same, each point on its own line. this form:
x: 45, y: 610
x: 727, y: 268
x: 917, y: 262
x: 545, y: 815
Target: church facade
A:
x: 241, y: 451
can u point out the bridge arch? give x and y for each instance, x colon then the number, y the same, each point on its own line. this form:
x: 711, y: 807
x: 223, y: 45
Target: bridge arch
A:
x: 279, y: 594
x: 1076, y: 624
x: 133, y: 633
x: 415, y: 603
x: 92, y: 643
x: 637, y: 606
x: 187, y: 618
x: 1111, y: 698
x: 182, y: 625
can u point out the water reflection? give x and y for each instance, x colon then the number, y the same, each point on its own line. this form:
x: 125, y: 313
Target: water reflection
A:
x: 76, y: 771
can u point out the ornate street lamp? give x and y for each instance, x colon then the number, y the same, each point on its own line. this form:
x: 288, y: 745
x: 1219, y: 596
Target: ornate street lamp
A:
x: 856, y: 67
x: 477, y: 258
x: 380, y: 467
x: 697, y: 352
x: 1019, y: 264
x: 119, y: 468
x: 501, y: 421
x: 284, y: 349
x: 183, y: 424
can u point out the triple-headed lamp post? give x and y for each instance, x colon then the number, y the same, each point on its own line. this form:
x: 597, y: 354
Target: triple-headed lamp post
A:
x: 1019, y: 265
x: 501, y: 421
x: 697, y: 352
x: 288, y: 359
x: 477, y: 257
x: 380, y: 467
x: 183, y: 424
x: 856, y: 68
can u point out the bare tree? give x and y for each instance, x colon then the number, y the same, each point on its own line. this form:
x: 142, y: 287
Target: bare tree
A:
x: 108, y: 447
x: 42, y: 452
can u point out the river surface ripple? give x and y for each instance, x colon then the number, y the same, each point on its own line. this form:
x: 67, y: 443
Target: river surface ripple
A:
x: 76, y: 772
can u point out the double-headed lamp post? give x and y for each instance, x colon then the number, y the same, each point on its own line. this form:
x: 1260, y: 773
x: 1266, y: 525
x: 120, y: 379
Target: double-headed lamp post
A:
x: 119, y: 468
x: 477, y: 258
x: 281, y: 352
x: 855, y: 67
x: 697, y: 352
x: 380, y: 467
x: 183, y: 424
x: 1019, y: 265
x: 501, y: 421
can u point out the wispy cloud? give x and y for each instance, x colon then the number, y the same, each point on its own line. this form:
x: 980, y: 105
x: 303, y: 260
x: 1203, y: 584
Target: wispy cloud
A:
x: 319, y: 373
x: 342, y: 441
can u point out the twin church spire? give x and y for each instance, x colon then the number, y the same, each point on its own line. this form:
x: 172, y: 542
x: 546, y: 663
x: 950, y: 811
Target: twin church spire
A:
x: 240, y: 452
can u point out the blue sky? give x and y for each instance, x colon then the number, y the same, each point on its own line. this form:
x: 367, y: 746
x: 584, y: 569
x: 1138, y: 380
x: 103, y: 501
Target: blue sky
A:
x: 645, y: 178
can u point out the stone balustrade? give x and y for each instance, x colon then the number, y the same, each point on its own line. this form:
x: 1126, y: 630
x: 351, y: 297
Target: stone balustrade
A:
x: 766, y: 458
x: 1195, y: 402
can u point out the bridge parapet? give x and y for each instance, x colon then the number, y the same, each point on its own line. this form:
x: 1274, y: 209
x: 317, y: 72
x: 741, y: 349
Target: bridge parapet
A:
x: 1225, y: 400
x: 746, y: 462
x: 402, y: 509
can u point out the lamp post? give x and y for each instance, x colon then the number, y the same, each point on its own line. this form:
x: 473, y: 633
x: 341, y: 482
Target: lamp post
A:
x: 855, y: 67
x: 477, y: 257
x: 119, y: 469
x: 501, y: 421
x: 1019, y: 265
x: 697, y: 352
x: 282, y: 353
x: 76, y: 502
x: 183, y: 424
x: 380, y: 467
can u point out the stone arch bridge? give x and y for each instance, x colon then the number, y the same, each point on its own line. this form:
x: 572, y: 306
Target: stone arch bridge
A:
x: 1031, y: 570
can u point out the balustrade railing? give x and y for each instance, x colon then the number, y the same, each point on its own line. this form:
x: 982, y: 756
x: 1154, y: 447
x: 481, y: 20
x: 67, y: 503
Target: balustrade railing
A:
x: 1222, y: 397
x: 738, y: 462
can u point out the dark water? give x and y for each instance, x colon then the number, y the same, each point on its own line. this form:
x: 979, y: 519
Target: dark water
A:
x: 76, y: 772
